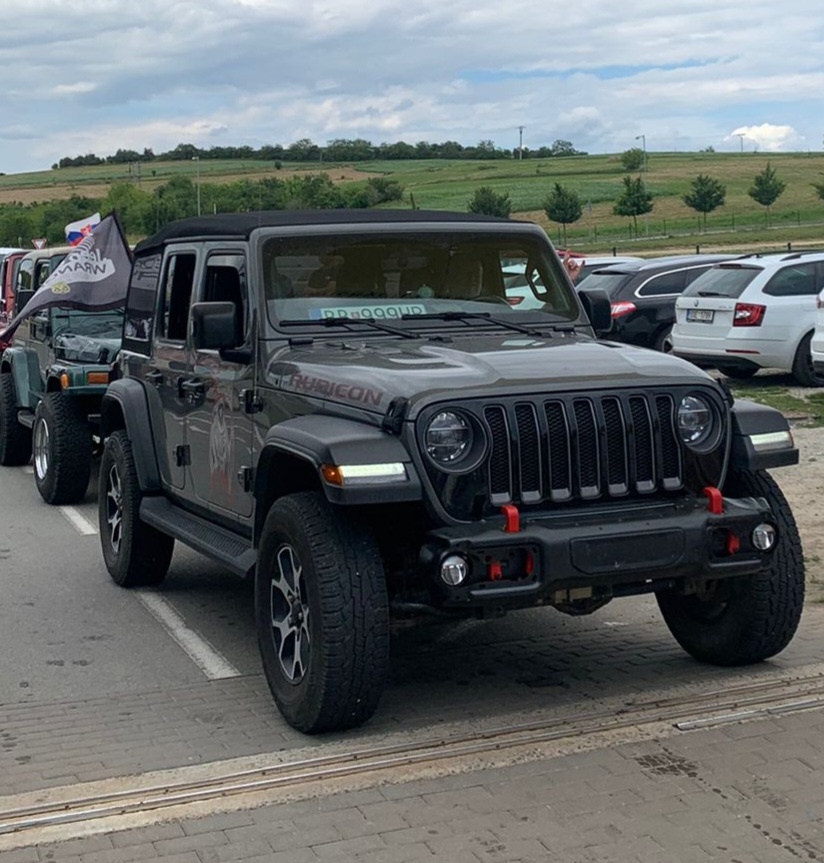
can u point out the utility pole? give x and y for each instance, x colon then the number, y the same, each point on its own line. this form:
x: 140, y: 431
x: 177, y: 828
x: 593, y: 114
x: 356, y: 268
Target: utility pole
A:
x: 643, y: 140
x: 196, y: 160
x: 741, y: 136
x: 520, y: 143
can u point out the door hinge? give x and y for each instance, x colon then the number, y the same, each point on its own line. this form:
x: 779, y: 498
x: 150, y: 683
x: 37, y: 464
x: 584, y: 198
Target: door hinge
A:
x: 252, y: 402
x: 246, y: 477
x: 183, y: 455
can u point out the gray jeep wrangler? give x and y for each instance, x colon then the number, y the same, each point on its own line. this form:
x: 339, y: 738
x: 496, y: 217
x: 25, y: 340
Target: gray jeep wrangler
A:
x: 345, y: 407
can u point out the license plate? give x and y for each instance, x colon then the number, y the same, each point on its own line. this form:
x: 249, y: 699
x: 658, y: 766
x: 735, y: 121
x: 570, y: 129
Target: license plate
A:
x: 702, y: 316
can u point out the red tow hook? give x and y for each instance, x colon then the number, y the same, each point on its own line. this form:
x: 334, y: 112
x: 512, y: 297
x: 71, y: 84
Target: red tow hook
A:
x: 512, y: 518
x: 715, y: 502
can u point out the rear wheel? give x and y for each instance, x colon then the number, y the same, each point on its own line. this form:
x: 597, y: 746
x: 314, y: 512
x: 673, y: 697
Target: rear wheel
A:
x: 803, y: 369
x: 62, y: 444
x: 136, y: 554
x: 743, y: 620
x: 15, y: 439
x: 663, y: 341
x: 322, y: 614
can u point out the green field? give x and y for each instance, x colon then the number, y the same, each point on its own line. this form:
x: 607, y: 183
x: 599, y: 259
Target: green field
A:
x: 797, y: 218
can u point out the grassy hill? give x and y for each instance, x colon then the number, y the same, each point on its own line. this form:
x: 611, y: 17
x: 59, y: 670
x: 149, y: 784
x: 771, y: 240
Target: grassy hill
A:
x: 797, y: 217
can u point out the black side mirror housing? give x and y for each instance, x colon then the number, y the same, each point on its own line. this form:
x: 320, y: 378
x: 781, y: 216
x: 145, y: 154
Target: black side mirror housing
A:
x: 214, y: 326
x: 21, y: 299
x: 597, y: 306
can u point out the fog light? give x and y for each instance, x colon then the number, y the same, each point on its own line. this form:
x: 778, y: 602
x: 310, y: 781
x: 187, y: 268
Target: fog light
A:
x: 454, y: 570
x: 764, y: 537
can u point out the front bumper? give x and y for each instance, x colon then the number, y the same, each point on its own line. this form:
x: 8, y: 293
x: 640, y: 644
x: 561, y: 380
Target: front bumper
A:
x: 634, y: 549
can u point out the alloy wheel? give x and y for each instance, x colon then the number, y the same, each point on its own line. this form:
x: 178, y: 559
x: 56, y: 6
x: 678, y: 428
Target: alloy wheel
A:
x: 41, y: 448
x: 289, y: 607
x: 114, y: 507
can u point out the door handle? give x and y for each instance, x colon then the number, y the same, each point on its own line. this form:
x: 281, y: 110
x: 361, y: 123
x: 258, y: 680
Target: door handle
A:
x: 192, y: 390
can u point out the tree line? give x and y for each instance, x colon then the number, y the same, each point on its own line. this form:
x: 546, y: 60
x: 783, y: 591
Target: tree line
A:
x: 337, y: 150
x: 565, y: 206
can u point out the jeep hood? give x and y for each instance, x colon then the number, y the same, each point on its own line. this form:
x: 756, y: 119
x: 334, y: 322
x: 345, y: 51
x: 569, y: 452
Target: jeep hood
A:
x: 371, y: 373
x: 85, y: 349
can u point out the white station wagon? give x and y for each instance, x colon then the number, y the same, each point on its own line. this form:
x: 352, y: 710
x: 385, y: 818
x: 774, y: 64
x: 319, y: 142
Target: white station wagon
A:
x: 753, y: 312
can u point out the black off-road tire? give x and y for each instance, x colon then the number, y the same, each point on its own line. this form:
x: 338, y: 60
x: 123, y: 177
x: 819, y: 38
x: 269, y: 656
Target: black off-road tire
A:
x: 136, y: 554
x: 329, y: 674
x: 803, y: 369
x: 760, y: 613
x: 62, y: 445
x: 15, y: 439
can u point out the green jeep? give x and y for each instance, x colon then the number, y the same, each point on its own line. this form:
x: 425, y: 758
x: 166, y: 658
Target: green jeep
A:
x: 52, y: 379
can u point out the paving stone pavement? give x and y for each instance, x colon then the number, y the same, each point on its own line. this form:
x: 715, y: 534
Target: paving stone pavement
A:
x: 486, y: 671
x: 741, y: 793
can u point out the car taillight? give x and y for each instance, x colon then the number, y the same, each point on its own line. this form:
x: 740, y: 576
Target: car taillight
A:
x: 748, y: 315
x: 618, y: 310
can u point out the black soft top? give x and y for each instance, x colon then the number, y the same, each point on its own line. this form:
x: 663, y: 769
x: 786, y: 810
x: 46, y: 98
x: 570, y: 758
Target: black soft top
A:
x: 241, y: 225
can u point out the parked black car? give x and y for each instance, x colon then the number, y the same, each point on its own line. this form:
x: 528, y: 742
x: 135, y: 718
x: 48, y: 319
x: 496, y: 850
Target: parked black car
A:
x: 642, y: 295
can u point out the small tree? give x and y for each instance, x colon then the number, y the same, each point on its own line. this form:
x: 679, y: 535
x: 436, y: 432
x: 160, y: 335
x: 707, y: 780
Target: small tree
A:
x: 564, y: 206
x: 633, y: 159
x: 634, y: 201
x: 489, y: 203
x: 819, y: 189
x: 705, y: 195
x: 767, y: 189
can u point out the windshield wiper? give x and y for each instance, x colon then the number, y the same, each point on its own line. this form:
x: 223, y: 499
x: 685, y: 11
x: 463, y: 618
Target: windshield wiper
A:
x: 341, y: 322
x: 468, y: 316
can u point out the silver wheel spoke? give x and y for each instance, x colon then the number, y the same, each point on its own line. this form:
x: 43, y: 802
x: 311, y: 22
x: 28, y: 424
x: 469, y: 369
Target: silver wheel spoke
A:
x: 114, y: 508
x: 289, y: 615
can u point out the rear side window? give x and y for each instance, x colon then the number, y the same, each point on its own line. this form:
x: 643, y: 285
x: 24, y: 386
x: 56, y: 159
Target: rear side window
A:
x: 795, y: 281
x: 666, y: 283
x: 722, y: 281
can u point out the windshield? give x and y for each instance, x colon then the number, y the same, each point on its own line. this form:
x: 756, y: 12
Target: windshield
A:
x: 398, y: 277
x: 100, y: 325
x: 722, y: 280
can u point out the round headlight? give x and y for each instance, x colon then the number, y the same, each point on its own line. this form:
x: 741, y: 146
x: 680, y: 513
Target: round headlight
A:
x: 448, y: 437
x: 695, y: 421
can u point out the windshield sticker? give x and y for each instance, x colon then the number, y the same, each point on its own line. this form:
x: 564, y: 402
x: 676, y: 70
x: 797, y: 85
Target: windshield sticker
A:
x: 382, y: 312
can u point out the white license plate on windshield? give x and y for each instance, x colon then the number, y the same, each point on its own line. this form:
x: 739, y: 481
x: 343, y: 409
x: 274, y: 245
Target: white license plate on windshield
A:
x: 701, y: 316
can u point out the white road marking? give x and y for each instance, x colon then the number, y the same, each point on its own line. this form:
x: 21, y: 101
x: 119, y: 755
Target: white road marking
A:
x: 79, y: 521
x: 212, y: 663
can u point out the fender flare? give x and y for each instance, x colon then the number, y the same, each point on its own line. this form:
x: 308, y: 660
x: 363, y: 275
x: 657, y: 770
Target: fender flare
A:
x: 124, y: 406
x: 319, y: 440
x: 25, y: 373
x: 751, y: 421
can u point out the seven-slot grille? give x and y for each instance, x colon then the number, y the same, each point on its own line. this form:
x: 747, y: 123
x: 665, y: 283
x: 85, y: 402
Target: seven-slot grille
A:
x: 582, y: 448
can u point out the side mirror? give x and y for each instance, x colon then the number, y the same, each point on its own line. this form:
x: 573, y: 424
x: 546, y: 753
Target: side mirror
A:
x: 597, y: 306
x: 214, y: 326
x: 20, y: 302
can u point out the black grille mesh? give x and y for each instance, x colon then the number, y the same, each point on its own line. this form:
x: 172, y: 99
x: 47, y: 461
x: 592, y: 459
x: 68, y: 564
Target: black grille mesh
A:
x: 583, y: 448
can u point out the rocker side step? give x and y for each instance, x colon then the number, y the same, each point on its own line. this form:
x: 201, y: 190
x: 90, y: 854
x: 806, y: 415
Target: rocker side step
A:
x: 224, y: 546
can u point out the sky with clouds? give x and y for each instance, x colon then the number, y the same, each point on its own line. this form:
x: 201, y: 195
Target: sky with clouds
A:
x: 100, y: 75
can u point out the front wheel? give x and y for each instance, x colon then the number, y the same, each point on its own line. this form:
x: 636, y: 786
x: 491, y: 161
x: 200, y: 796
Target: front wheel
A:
x: 322, y: 614
x: 663, y: 341
x: 744, y: 620
x: 136, y: 554
x: 62, y: 444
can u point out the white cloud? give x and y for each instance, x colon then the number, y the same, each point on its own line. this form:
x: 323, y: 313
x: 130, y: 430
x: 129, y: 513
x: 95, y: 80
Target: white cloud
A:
x: 164, y: 72
x: 766, y: 137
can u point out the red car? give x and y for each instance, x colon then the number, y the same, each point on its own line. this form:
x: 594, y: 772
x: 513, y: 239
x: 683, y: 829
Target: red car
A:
x: 8, y: 274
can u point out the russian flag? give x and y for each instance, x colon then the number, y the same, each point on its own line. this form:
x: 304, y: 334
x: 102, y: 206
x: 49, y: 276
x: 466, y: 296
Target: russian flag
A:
x: 75, y: 231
